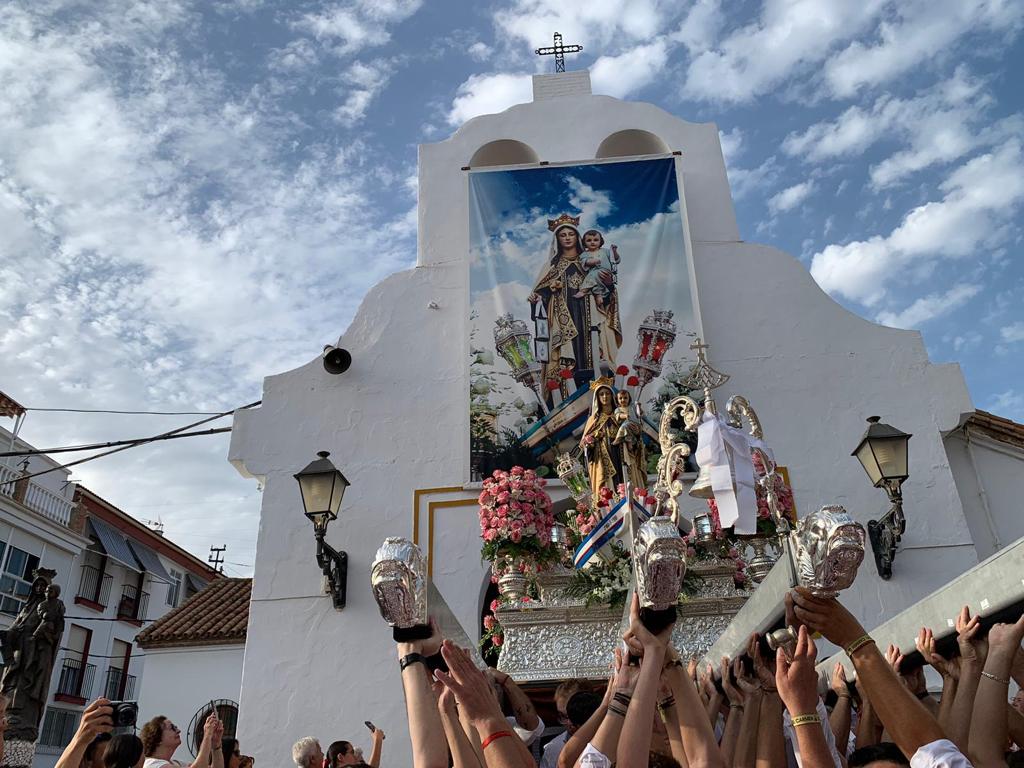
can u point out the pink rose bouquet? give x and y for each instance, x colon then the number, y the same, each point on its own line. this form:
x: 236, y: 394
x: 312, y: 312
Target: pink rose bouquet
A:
x: 515, y: 515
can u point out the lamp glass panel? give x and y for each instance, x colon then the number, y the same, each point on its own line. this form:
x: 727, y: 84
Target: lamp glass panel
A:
x: 891, y: 455
x: 337, y: 492
x: 317, y: 491
x: 866, y: 457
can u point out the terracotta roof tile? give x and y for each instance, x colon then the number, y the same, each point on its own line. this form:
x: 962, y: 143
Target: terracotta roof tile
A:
x: 998, y: 428
x: 217, y: 615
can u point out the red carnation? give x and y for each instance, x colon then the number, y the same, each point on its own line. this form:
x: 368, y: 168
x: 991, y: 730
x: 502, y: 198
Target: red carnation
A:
x: 632, y: 381
x: 553, y: 384
x: 566, y: 373
x: 622, y: 370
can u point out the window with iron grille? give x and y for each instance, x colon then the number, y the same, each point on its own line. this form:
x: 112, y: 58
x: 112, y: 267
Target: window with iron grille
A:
x: 16, y: 579
x: 174, y: 588
x: 58, y: 727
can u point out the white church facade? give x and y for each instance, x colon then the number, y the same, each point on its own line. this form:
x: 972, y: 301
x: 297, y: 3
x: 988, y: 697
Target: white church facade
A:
x: 397, y: 424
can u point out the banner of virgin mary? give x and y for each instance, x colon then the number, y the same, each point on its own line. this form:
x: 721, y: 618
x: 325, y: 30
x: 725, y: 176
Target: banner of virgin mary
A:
x: 580, y: 281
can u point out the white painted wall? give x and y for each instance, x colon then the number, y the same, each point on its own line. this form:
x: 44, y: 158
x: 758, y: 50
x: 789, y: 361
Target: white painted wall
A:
x: 990, y: 478
x: 181, y: 681
x: 397, y: 422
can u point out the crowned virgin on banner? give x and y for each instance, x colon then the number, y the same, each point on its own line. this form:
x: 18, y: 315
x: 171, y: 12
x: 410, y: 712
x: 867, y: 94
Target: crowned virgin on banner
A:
x: 581, y: 315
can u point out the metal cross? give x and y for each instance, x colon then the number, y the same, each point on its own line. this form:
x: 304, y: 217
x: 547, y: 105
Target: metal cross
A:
x: 559, y: 51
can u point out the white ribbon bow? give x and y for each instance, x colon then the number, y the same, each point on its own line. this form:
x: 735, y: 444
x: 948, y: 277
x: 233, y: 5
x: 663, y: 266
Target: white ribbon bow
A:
x: 725, y: 451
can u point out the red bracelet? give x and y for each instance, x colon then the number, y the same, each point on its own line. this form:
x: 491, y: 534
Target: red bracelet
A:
x: 494, y: 737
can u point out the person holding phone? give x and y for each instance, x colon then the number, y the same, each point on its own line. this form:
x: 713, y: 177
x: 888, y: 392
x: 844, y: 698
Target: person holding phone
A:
x: 343, y: 753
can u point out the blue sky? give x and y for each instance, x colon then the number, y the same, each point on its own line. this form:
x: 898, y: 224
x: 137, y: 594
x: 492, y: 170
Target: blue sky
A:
x: 196, y: 194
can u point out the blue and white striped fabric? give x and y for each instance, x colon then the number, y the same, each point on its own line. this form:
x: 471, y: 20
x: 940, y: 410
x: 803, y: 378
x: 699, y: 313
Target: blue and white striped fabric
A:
x: 610, y: 526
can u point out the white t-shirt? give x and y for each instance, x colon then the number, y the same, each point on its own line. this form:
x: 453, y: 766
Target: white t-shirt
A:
x: 939, y: 754
x: 592, y: 757
x: 156, y: 762
x: 553, y: 749
x: 527, y: 737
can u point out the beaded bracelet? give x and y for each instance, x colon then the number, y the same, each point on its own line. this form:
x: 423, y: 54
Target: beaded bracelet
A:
x: 805, y: 720
x: 622, y: 698
x: 493, y: 738
x: 990, y: 676
x: 857, y: 644
x: 667, y: 702
x: 616, y: 710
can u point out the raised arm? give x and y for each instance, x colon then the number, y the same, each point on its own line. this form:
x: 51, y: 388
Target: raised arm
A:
x: 950, y: 671
x: 988, y: 726
x: 525, y: 714
x: 463, y: 754
x: 909, y: 724
x: 635, y: 742
x: 576, y: 743
x: 839, y: 720
x: 797, y: 682
x: 746, y: 742
x: 501, y: 747
x: 973, y: 649
x: 697, y: 735
x: 771, y: 739
x: 207, y: 748
x: 378, y: 744
x: 429, y: 748
x: 96, y: 719
x: 736, y: 705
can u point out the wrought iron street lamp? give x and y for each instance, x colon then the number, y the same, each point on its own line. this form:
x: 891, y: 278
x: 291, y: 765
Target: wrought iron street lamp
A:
x: 883, y: 454
x: 323, y: 487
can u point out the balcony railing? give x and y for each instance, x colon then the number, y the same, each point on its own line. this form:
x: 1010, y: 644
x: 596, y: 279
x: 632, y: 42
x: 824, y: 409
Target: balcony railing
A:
x: 133, y: 603
x: 94, y: 585
x: 112, y: 689
x: 37, y: 498
x: 76, y: 679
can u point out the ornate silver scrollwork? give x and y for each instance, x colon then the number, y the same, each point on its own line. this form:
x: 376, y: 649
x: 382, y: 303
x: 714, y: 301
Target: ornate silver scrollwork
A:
x: 737, y: 407
x: 672, y: 464
x: 659, y: 562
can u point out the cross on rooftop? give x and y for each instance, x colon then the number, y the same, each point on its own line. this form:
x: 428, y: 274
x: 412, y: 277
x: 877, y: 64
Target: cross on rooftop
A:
x: 558, y: 51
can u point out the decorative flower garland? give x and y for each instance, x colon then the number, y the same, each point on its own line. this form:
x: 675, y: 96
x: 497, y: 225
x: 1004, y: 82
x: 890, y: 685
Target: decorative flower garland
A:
x: 515, y: 516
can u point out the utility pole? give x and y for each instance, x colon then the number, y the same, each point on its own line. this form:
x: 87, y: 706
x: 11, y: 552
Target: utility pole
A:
x: 216, y: 558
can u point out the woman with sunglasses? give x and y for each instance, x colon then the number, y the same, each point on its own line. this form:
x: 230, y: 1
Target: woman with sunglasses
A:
x: 160, y: 738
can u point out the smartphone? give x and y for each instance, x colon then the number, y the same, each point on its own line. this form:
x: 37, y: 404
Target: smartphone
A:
x: 370, y: 725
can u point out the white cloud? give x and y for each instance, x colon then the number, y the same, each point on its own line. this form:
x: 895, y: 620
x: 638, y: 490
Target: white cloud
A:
x: 791, y: 197
x: 1008, y: 404
x: 979, y: 197
x: 488, y: 94
x: 630, y: 71
x: 479, y: 51
x: 790, y: 35
x: 732, y: 145
x: 352, y: 27
x: 929, y: 307
x: 940, y: 125
x: 744, y: 181
x: 1013, y: 332
x: 164, y: 241
x: 366, y: 81
x: 699, y: 30
x: 594, y: 24
x: 920, y: 29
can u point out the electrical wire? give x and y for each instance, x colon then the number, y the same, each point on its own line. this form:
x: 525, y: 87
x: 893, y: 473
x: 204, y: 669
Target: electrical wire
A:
x: 127, y: 413
x: 111, y: 443
x: 142, y: 441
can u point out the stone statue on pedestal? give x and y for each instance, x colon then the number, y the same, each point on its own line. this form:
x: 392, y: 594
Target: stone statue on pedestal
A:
x: 29, y: 650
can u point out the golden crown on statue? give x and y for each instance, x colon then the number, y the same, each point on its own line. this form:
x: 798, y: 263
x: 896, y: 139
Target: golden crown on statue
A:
x: 565, y: 218
x: 604, y: 381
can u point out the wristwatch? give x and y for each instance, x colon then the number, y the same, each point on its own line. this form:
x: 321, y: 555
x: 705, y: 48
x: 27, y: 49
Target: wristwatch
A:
x: 412, y: 658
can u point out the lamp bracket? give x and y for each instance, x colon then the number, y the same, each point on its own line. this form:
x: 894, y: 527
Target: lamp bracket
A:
x: 885, y: 534
x: 334, y: 565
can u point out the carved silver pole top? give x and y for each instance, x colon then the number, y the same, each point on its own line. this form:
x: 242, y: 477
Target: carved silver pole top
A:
x: 703, y: 376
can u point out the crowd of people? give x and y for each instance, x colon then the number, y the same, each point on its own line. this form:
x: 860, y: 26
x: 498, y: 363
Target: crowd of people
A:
x: 759, y: 710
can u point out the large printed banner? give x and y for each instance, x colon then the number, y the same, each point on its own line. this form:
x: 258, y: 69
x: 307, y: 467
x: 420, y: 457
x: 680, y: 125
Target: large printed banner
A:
x: 579, y: 276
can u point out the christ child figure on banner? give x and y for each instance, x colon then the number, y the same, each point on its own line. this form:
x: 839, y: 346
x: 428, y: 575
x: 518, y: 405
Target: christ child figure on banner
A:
x: 570, y: 317
x: 598, y: 261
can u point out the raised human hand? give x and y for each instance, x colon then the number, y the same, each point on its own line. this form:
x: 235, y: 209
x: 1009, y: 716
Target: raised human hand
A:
x: 445, y: 699
x: 973, y: 646
x: 638, y: 632
x: 895, y: 658
x: 427, y: 647
x: 925, y: 644
x: 762, y: 667
x: 732, y: 692
x: 626, y: 675
x: 471, y: 687
x: 210, y: 726
x: 96, y: 719
x: 827, y: 616
x: 707, y: 683
x: 796, y: 678
x: 693, y: 664
x: 838, y: 680
x: 1004, y: 639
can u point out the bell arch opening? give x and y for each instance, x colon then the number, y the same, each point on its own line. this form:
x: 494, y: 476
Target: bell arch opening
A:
x: 503, y: 152
x: 632, y: 141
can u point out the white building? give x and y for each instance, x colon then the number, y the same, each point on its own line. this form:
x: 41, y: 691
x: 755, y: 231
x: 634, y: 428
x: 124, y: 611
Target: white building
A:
x: 125, y: 577
x: 194, y: 657
x: 396, y: 423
